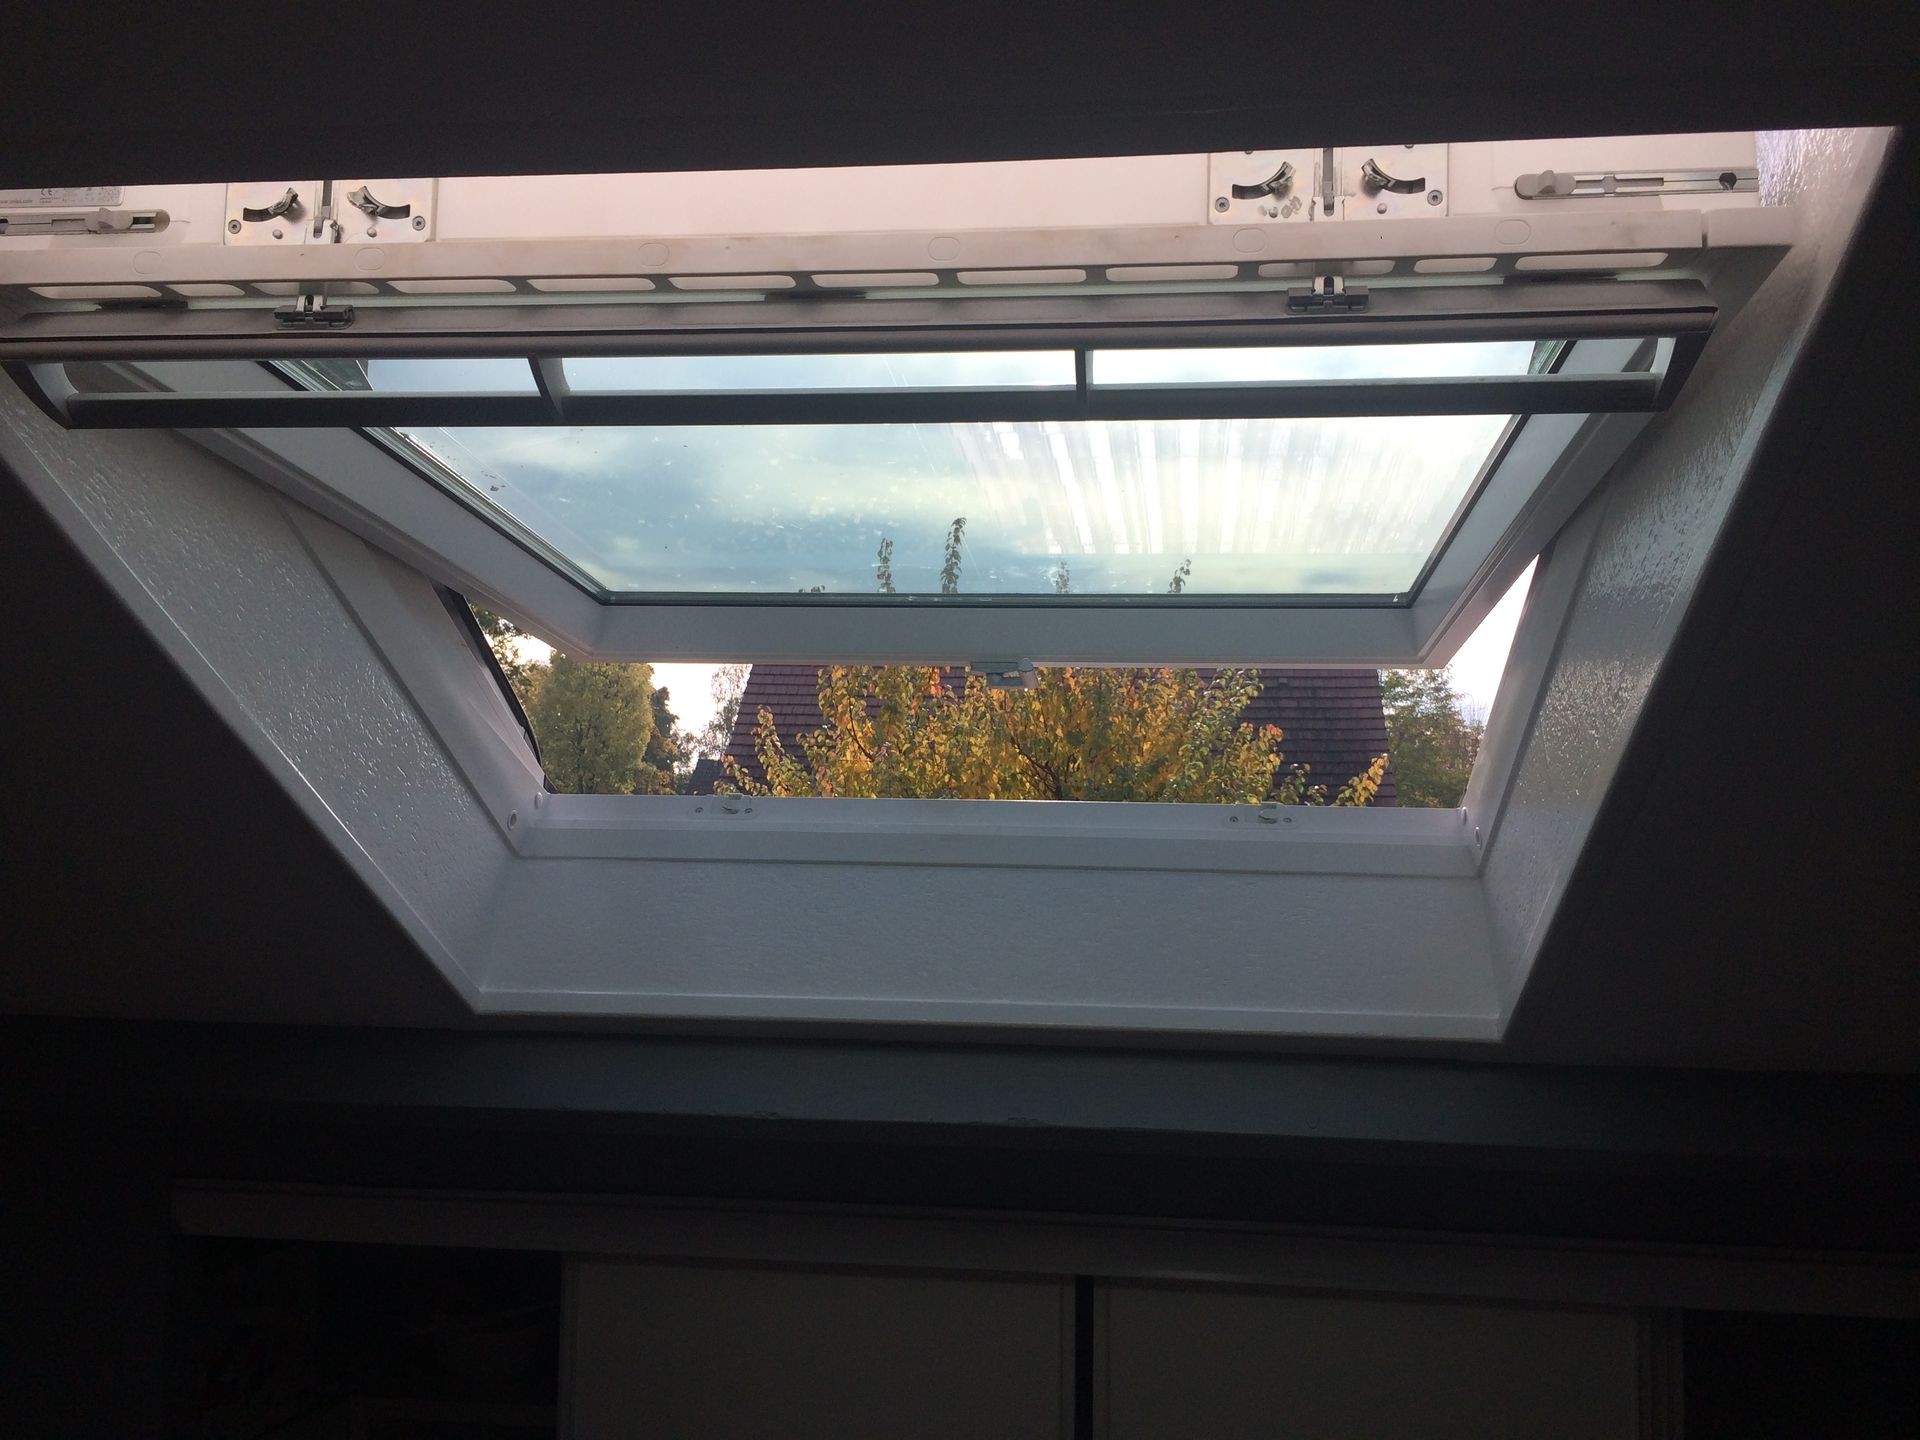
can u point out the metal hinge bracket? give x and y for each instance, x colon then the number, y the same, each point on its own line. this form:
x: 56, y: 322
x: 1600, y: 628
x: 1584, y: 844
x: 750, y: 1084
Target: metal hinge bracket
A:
x: 312, y: 312
x: 1327, y: 292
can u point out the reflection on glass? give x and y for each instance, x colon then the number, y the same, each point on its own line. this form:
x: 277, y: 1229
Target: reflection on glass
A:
x: 419, y: 377
x: 1278, y: 364
x: 919, y: 371
x: 1106, y: 508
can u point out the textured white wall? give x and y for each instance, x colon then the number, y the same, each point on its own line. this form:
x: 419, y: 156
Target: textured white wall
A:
x: 1662, y: 510
x: 209, y: 561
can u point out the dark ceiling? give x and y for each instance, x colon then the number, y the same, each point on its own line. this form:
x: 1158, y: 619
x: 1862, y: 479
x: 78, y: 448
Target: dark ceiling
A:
x: 1745, y: 900
x: 118, y: 92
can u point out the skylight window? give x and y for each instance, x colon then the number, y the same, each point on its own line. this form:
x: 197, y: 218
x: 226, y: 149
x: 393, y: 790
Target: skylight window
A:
x: 1248, y: 472
x: 1093, y: 510
x: 1155, y: 503
x: 987, y: 426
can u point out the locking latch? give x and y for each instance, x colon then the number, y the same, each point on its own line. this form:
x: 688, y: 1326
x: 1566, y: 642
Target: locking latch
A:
x: 312, y: 312
x: 1327, y: 292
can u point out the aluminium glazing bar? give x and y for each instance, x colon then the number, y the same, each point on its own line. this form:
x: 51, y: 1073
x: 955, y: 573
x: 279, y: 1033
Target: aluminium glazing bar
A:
x: 355, y: 409
x: 1568, y: 310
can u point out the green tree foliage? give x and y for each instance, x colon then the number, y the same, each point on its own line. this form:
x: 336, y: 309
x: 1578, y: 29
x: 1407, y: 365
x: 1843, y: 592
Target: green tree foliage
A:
x: 661, y: 765
x: 1432, y: 742
x: 504, y: 637
x: 603, y: 729
x: 594, y: 722
x: 1079, y: 734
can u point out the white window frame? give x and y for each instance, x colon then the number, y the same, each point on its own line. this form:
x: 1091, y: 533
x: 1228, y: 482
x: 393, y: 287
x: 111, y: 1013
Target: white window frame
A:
x: 1535, y: 478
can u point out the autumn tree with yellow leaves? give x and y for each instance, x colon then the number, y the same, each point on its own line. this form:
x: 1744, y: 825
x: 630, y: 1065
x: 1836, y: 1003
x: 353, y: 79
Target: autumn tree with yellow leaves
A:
x: 1081, y: 733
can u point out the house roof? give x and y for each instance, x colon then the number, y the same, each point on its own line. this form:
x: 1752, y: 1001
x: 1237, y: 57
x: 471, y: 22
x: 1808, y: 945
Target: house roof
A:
x: 1331, y: 720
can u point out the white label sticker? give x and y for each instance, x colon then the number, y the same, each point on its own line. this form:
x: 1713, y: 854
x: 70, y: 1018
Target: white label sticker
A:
x: 64, y: 195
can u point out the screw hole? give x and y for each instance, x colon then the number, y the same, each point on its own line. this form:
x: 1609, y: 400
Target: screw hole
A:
x: 513, y: 818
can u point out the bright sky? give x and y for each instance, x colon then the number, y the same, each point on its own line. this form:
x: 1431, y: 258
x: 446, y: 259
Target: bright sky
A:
x: 1478, y: 665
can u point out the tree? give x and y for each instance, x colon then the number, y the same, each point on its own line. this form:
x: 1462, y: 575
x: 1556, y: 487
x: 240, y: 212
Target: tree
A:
x: 1079, y: 734
x: 594, y: 722
x: 728, y: 684
x: 603, y: 729
x: 660, y: 763
x: 1432, y: 742
x: 507, y: 642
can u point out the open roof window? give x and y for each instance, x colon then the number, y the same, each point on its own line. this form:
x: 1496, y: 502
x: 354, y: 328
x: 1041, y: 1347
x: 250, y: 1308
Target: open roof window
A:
x: 1190, y: 410
x: 1323, y: 427
x: 1067, y: 480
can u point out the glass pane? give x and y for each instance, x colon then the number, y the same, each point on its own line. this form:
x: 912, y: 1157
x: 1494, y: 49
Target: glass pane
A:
x: 1278, y: 364
x: 418, y: 377
x: 920, y: 371
x: 1092, y: 508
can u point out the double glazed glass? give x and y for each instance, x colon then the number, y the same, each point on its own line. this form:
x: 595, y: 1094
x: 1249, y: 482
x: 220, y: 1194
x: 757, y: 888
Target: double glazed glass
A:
x: 1349, y: 506
x: 1096, y: 508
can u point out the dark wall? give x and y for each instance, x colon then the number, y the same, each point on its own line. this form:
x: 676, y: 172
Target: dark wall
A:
x: 83, y: 1277
x: 1787, y: 1377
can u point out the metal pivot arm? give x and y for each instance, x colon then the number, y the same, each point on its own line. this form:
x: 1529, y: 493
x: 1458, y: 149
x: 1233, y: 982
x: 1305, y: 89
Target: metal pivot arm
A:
x: 287, y: 205
x: 1278, y: 183
x: 363, y: 200
x: 1373, y: 180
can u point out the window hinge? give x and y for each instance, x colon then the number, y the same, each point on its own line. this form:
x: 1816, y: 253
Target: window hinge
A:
x: 312, y: 312
x: 1327, y: 292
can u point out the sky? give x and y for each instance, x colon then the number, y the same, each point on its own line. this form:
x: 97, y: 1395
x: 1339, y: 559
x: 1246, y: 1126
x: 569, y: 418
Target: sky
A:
x: 1329, y: 506
x: 1309, y: 505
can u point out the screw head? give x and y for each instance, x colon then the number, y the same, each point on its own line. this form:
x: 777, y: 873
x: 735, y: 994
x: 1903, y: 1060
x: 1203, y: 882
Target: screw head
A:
x: 279, y: 234
x: 372, y: 230
x: 1381, y: 208
x: 233, y: 227
x: 1220, y: 203
x: 419, y: 222
x: 1433, y: 197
